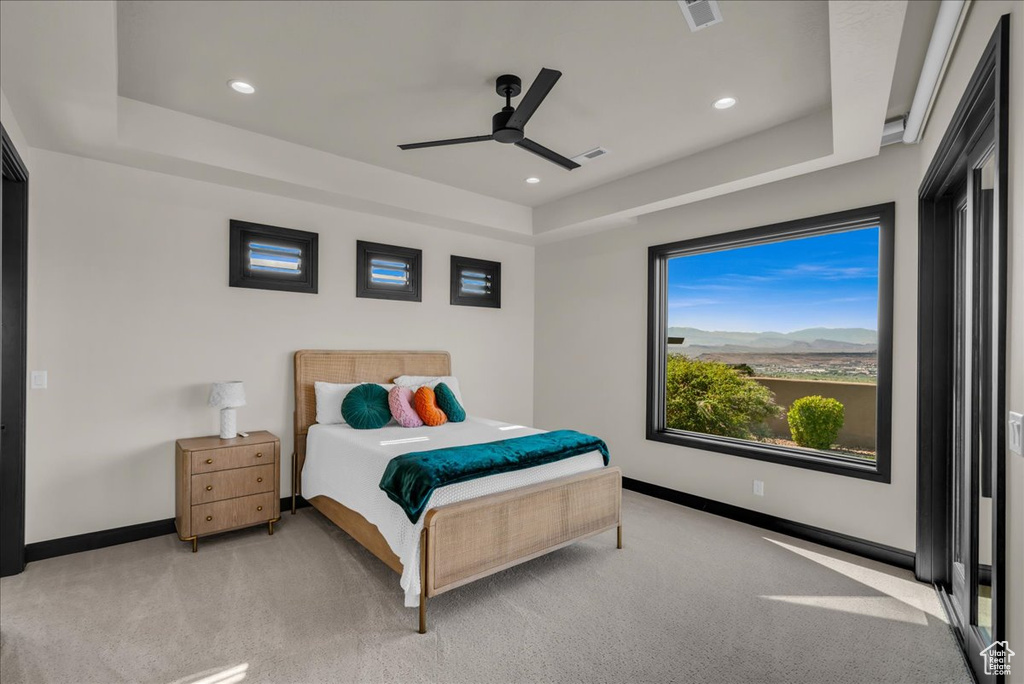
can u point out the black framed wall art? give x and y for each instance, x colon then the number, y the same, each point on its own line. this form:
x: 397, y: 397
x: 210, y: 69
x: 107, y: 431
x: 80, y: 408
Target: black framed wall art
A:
x: 475, y: 282
x: 388, y: 271
x: 272, y: 258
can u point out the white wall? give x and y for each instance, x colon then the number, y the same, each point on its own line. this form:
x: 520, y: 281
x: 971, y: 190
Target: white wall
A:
x: 131, y: 314
x: 591, y: 328
x: 591, y: 350
x: 13, y: 129
x: 977, y: 31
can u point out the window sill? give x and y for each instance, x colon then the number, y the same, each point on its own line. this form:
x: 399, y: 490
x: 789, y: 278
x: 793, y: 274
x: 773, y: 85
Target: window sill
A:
x: 799, y: 458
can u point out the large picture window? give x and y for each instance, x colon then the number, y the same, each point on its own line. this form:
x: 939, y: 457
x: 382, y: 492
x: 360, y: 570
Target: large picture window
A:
x: 775, y: 342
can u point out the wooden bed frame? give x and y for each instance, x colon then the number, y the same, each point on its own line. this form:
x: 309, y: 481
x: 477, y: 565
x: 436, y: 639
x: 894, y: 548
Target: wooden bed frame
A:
x: 471, y: 539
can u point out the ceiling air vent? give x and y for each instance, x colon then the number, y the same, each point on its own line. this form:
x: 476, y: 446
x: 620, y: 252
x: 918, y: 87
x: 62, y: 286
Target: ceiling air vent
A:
x: 700, y: 13
x: 590, y: 155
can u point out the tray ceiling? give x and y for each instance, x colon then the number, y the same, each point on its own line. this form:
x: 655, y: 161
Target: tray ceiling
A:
x: 356, y: 79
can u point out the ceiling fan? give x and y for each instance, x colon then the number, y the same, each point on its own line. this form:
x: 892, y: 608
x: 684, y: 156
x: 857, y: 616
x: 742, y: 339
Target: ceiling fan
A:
x: 508, y: 124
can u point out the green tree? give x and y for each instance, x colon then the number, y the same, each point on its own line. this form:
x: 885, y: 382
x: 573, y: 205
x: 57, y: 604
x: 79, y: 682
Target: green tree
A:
x: 713, y: 398
x: 815, y: 421
x: 742, y: 368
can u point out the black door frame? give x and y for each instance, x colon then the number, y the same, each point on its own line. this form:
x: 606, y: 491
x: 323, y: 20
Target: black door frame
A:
x: 13, y: 366
x: 985, y: 103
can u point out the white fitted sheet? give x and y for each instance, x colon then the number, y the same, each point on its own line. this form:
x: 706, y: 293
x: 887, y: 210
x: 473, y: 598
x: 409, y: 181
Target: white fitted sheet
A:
x: 346, y: 465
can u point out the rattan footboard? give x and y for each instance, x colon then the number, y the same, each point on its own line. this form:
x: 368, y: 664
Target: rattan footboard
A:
x: 472, y: 539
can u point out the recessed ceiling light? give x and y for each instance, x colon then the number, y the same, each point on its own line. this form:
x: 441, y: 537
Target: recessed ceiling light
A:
x: 533, y: 180
x: 241, y: 87
x: 725, y: 102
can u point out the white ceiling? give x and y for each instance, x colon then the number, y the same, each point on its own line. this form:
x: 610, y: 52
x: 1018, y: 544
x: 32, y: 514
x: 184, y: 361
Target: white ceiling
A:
x: 356, y: 79
x: 59, y: 79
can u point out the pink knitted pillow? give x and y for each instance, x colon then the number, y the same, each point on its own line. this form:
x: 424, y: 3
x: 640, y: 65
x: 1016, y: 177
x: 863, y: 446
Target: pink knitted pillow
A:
x: 400, y: 402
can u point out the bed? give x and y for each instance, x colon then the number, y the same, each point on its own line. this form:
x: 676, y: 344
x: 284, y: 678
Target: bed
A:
x: 470, y: 529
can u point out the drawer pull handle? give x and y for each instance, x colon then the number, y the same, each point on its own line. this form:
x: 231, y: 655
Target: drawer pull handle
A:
x: 209, y: 460
x: 259, y: 479
x: 259, y: 508
x: 209, y: 488
x: 209, y: 518
x: 259, y: 454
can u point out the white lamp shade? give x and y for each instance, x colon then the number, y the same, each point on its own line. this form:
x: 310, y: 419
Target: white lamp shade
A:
x: 227, y: 394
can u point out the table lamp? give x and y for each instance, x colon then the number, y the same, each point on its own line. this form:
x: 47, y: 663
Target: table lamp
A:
x: 227, y: 396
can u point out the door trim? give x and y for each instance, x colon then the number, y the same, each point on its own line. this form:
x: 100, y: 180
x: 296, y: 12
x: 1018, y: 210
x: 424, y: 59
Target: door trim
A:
x: 14, y: 369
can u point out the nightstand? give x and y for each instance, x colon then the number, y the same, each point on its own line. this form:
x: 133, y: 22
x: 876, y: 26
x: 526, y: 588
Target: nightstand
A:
x: 226, y: 484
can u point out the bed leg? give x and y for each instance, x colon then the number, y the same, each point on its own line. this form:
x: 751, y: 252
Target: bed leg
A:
x: 294, y: 463
x: 620, y: 536
x: 423, y: 581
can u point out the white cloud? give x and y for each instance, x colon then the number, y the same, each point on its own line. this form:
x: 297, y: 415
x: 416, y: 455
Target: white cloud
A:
x: 687, y: 303
x: 825, y: 272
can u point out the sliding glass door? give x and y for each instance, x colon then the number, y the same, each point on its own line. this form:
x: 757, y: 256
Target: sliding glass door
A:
x: 972, y: 539
x: 974, y: 391
x: 961, y: 492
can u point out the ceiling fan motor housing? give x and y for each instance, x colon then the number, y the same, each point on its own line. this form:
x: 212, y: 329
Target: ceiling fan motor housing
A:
x: 502, y: 133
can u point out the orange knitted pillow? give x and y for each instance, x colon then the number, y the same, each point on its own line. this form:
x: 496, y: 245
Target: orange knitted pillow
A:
x: 425, y: 403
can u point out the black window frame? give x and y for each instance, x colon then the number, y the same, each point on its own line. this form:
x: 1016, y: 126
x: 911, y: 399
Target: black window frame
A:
x: 243, y: 232
x: 491, y: 268
x: 882, y: 215
x: 366, y: 288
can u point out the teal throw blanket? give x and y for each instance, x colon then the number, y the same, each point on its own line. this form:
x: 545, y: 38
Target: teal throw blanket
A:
x: 410, y: 479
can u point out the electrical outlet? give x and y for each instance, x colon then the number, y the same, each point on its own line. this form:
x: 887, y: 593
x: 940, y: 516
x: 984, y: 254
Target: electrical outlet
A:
x: 758, y: 488
x: 1013, y: 433
x: 38, y: 380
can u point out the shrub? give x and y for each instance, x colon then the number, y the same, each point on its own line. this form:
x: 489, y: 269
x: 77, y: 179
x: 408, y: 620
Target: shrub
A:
x: 815, y: 421
x: 711, y: 397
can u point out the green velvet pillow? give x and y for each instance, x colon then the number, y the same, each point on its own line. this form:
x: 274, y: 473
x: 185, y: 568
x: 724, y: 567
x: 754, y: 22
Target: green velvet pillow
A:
x: 366, y: 407
x: 447, y: 402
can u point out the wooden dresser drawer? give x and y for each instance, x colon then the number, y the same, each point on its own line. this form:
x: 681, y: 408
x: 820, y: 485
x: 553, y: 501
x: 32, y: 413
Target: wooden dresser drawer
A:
x: 232, y: 457
x: 227, y: 484
x: 225, y: 515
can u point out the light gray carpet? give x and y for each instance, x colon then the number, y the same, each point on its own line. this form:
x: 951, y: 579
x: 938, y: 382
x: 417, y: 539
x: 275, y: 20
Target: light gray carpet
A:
x: 692, y: 598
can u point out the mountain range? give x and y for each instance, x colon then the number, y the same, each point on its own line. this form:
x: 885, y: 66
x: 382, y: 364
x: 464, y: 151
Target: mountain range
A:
x: 808, y: 340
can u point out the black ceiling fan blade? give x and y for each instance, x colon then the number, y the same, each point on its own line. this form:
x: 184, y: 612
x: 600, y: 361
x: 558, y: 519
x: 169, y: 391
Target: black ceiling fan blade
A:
x: 450, y: 141
x: 553, y: 157
x: 542, y: 85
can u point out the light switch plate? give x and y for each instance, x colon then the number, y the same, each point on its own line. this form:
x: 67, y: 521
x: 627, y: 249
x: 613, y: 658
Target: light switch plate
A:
x: 758, y: 488
x: 1013, y: 433
x: 38, y: 380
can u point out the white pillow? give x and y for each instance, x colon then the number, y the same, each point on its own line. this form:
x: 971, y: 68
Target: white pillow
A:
x: 416, y: 381
x: 329, y: 396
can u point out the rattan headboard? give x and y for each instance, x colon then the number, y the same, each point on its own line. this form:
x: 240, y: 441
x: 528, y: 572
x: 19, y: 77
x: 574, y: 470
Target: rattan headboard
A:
x: 312, y: 365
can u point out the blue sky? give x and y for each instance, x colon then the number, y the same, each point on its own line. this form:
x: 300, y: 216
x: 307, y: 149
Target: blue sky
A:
x: 827, y: 280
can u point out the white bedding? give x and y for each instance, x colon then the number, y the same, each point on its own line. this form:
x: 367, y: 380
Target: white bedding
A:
x: 346, y: 464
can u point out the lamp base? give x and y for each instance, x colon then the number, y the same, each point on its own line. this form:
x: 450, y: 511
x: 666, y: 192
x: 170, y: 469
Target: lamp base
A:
x: 228, y: 423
